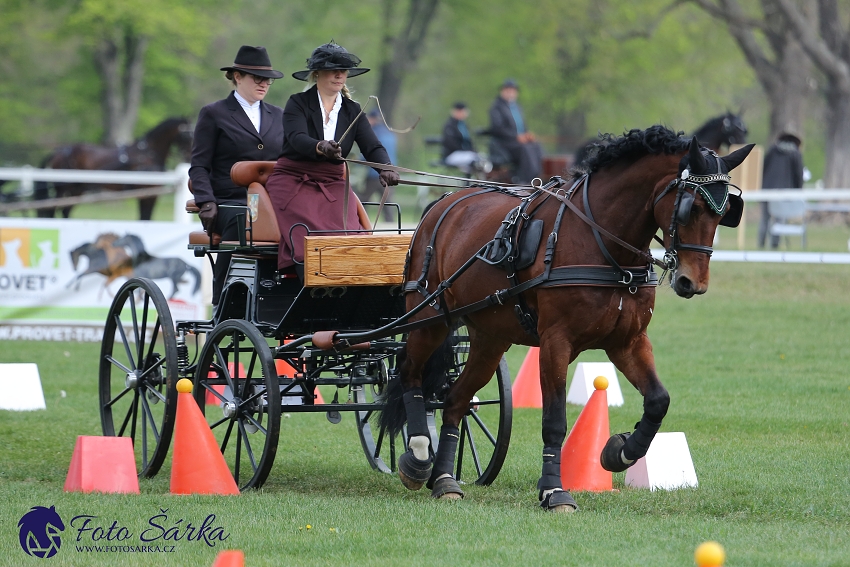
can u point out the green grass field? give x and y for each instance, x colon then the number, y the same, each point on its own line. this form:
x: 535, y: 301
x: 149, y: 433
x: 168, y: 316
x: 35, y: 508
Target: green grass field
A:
x: 757, y: 373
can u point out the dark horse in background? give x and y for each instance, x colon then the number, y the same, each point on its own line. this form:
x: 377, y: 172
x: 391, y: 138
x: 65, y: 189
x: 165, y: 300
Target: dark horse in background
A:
x: 722, y: 131
x: 148, y: 153
x: 718, y: 132
x: 634, y: 185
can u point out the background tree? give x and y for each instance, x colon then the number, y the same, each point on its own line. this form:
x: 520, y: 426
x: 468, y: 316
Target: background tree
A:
x: 825, y: 37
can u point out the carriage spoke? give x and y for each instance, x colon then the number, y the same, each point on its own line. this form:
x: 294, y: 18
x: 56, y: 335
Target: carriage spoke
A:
x: 224, y: 370
x: 459, y: 457
x: 126, y: 419
x: 214, y: 392
x: 244, y: 435
x: 219, y: 422
x: 140, y: 341
x: 147, y: 412
x: 256, y: 423
x: 483, y: 427
x: 124, y: 341
x: 118, y: 364
x: 226, y: 433
x: 135, y: 415
x: 152, y: 367
x: 111, y: 402
x: 473, y: 449
x: 154, y: 337
x: 249, y: 373
x: 134, y: 316
x: 144, y: 434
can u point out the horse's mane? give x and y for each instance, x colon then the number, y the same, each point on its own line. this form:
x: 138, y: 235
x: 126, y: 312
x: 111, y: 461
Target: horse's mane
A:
x: 713, y: 125
x: 632, y: 145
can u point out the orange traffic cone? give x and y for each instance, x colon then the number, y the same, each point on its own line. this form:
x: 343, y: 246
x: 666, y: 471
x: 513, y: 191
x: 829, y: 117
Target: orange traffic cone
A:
x: 197, y: 466
x: 230, y: 558
x: 580, y: 466
x: 103, y: 464
x: 526, y: 391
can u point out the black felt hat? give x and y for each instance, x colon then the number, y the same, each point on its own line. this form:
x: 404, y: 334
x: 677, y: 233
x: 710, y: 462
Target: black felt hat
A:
x: 255, y: 61
x: 328, y: 57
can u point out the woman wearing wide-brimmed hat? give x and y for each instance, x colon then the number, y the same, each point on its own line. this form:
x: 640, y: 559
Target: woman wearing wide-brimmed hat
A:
x: 240, y: 127
x: 308, y: 184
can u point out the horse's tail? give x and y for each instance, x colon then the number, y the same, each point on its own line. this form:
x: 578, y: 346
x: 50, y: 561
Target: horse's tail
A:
x: 434, y: 377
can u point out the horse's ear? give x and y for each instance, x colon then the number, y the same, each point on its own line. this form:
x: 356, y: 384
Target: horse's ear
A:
x: 696, y: 161
x: 734, y: 159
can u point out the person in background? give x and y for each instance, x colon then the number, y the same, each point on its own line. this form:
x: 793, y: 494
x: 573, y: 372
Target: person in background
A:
x: 373, y: 184
x: 308, y: 186
x: 783, y: 169
x: 458, y: 150
x: 511, y: 143
x: 240, y: 127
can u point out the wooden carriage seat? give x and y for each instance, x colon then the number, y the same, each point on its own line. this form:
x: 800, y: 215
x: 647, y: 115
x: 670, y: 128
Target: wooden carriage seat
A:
x: 254, y: 175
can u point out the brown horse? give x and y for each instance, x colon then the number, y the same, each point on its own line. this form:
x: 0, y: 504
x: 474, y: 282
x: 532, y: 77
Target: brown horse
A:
x: 588, y: 285
x: 148, y: 153
x: 105, y: 258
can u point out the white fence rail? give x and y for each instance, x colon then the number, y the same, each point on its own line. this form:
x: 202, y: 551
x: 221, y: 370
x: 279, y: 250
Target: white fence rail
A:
x: 178, y: 179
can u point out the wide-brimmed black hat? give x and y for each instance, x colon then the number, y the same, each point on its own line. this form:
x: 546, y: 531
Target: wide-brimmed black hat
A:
x: 328, y: 57
x: 255, y: 61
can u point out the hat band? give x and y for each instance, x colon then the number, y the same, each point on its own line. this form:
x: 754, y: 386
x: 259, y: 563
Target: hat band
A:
x: 257, y: 67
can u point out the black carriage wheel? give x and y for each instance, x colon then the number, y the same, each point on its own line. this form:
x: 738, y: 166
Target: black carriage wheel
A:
x: 381, y: 448
x: 236, y: 387
x: 485, y: 430
x: 138, y: 373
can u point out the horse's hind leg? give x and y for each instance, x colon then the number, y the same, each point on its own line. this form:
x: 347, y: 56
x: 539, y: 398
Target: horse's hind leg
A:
x: 638, y: 365
x: 414, y: 466
x: 484, y: 356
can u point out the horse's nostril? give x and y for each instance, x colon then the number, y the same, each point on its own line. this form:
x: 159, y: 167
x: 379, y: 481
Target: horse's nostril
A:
x: 683, y: 284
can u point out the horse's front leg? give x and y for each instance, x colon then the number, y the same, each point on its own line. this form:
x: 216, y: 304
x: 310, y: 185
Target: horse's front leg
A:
x: 637, y: 363
x: 415, y: 465
x: 555, y: 354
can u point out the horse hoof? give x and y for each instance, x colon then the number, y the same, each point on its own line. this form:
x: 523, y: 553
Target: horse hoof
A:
x: 611, y: 457
x: 447, y: 488
x: 559, y: 501
x: 413, y: 472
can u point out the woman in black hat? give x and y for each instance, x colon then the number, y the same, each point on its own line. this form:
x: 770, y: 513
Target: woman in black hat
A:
x: 239, y: 128
x: 308, y: 184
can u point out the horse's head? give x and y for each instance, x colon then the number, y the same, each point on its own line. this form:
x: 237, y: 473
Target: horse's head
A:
x: 692, y: 205
x: 734, y: 129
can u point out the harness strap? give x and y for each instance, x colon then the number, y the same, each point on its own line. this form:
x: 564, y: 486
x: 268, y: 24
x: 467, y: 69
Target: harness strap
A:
x: 596, y: 234
x: 650, y: 259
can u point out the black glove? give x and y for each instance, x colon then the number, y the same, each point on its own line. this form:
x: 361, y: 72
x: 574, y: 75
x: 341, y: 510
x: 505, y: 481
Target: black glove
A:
x: 329, y: 149
x: 207, y: 214
x: 389, y: 178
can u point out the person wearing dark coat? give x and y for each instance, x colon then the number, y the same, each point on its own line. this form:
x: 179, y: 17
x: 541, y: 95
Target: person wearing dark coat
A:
x: 783, y: 169
x: 511, y: 144
x: 240, y: 127
x: 308, y: 183
x: 458, y: 150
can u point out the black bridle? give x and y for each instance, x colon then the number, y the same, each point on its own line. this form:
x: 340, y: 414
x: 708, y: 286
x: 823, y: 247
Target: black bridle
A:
x: 687, y: 186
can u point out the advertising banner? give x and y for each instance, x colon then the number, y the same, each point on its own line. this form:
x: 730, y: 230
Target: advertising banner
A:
x: 58, y: 277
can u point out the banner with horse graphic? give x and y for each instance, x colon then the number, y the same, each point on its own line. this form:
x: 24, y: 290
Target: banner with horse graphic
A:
x: 58, y: 277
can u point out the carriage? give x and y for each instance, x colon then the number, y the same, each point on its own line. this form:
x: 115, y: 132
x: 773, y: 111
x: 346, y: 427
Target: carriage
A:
x: 256, y: 358
x: 414, y: 328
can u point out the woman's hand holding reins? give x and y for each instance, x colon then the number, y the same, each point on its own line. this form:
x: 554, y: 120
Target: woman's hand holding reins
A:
x: 389, y: 178
x: 329, y: 149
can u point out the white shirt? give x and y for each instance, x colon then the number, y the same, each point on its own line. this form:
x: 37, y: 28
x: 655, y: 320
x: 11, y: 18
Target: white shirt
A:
x: 252, y: 110
x: 329, y: 123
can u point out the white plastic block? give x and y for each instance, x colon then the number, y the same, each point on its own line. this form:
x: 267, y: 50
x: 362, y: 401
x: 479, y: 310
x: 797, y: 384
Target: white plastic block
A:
x: 20, y: 387
x: 666, y: 466
x: 582, y: 385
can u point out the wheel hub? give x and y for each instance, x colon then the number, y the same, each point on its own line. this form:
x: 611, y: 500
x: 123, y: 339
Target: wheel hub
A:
x: 132, y: 380
x: 230, y: 409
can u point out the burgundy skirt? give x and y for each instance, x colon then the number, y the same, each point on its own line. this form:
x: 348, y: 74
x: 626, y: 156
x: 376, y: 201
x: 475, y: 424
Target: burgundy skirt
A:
x: 310, y: 193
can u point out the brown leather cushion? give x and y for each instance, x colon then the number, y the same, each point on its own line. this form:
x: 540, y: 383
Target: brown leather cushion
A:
x: 192, y: 208
x: 199, y: 237
x: 264, y: 221
x: 243, y: 173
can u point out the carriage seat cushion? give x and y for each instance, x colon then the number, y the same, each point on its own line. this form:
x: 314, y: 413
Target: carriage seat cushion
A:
x: 244, y: 173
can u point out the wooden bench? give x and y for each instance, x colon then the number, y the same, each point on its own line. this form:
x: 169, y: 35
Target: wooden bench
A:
x: 351, y: 260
